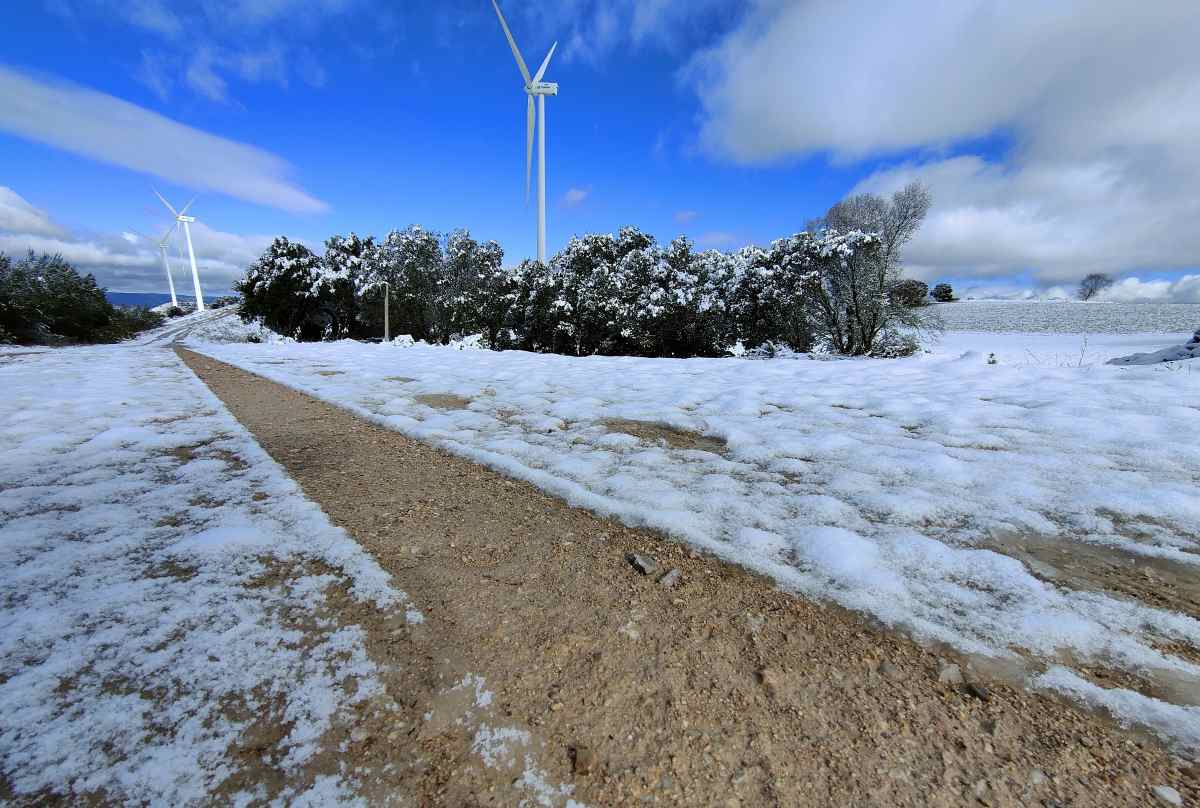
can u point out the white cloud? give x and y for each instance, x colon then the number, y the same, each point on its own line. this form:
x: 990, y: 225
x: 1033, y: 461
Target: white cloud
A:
x: 1133, y: 290
x: 110, y: 130
x: 686, y: 216
x: 262, y: 13
x: 574, y: 197
x: 1057, y: 219
x: 1184, y: 289
x: 593, y: 30
x: 206, y: 44
x: 123, y: 262
x: 152, y: 16
x: 18, y: 216
x: 202, y: 78
x: 153, y: 72
x: 717, y: 239
x: 1100, y: 101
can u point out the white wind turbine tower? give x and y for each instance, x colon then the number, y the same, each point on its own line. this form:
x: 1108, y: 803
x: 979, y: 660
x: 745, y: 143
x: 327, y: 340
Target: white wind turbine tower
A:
x: 162, y: 248
x: 181, y: 218
x: 534, y: 86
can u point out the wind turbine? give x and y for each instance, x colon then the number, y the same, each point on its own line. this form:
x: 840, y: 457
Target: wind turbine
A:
x: 534, y: 86
x: 162, y: 248
x: 182, y: 219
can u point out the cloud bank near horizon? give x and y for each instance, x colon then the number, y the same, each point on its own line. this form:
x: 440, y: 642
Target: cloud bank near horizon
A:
x: 1097, y: 105
x: 125, y: 262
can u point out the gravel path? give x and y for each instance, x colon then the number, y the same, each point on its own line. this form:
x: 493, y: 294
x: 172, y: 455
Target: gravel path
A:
x: 549, y: 668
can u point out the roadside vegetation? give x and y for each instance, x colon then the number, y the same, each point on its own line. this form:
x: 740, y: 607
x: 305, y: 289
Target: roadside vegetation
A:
x: 45, y: 301
x: 837, y: 287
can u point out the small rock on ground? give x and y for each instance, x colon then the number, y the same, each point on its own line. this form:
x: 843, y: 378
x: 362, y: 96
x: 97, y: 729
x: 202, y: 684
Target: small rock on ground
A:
x: 950, y: 675
x: 1167, y: 795
x: 583, y: 760
x: 643, y: 564
x: 890, y: 671
x: 671, y: 579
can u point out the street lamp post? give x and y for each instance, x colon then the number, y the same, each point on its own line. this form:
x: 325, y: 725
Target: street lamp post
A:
x: 387, y: 292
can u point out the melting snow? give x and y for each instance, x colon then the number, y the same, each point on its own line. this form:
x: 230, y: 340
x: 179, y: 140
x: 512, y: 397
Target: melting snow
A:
x: 134, y: 512
x: 881, y: 485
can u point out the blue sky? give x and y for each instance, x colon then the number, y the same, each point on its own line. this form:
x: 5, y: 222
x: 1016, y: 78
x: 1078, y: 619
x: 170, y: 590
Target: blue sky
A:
x: 730, y: 122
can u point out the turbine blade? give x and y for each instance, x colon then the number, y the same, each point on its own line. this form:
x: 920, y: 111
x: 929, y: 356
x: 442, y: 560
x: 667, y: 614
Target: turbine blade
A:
x: 528, y: 147
x: 542, y: 70
x: 512, y: 43
x: 165, y: 202
x: 162, y: 241
x: 185, y: 207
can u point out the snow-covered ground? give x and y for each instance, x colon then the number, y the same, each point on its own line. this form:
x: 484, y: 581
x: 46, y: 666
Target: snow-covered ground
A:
x: 883, y: 485
x: 1069, y: 316
x: 135, y: 513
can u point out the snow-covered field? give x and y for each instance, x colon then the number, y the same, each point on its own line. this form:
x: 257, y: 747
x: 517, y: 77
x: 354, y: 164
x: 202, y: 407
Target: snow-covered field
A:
x: 137, y: 522
x: 1069, y: 316
x: 883, y: 485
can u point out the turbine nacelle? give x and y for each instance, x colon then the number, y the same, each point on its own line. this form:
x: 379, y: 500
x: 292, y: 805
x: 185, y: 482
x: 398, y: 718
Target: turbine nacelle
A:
x: 542, y: 88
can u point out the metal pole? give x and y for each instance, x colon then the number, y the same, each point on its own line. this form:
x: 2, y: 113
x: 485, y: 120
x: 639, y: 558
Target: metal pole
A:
x: 195, y: 273
x: 162, y: 248
x: 387, y: 292
x: 541, y: 228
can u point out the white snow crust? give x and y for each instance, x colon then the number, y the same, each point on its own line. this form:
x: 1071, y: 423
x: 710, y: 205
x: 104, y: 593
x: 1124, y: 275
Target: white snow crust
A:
x: 883, y: 485
x: 134, y: 512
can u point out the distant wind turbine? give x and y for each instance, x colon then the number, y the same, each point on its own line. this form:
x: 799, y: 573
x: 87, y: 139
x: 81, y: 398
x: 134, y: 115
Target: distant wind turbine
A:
x: 181, y: 218
x: 534, y: 86
x: 162, y: 248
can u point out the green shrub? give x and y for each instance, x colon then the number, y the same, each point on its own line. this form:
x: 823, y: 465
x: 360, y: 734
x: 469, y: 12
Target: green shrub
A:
x: 910, y: 292
x: 44, y: 300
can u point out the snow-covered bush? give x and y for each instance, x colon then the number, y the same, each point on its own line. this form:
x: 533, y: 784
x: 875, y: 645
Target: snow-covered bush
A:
x: 470, y: 290
x: 286, y: 288
x: 409, y: 261
x: 1176, y: 353
x: 538, y: 317
x: 910, y: 292
x: 43, y: 299
x: 942, y: 293
x: 614, y: 294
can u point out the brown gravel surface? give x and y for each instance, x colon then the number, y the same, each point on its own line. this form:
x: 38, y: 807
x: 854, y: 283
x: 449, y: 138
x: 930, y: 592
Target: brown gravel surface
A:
x: 719, y: 691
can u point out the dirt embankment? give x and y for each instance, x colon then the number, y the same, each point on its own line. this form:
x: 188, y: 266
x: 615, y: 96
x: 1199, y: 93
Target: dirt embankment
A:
x: 718, y: 691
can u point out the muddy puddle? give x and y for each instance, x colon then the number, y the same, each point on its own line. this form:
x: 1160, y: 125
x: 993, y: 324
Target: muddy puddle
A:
x: 442, y: 401
x: 661, y: 433
x: 1158, y: 582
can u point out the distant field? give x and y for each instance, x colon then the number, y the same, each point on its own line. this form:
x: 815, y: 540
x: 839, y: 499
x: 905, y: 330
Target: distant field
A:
x: 1067, y: 317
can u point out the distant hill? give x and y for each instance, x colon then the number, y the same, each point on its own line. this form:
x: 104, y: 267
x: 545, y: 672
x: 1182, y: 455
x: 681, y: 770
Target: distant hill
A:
x: 150, y: 299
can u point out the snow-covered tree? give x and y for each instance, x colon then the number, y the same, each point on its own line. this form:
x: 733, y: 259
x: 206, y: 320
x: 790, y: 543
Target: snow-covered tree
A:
x: 342, y: 265
x: 894, y: 221
x: 472, y: 289
x: 43, y: 299
x: 539, y: 317
x: 1094, y: 284
x: 410, y: 260
x: 910, y: 292
x: 284, y: 288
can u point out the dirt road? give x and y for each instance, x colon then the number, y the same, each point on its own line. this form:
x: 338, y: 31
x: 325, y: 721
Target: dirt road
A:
x: 549, y: 668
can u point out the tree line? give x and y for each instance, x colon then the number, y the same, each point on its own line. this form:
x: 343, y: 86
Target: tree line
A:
x: 836, y: 287
x: 44, y: 300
